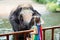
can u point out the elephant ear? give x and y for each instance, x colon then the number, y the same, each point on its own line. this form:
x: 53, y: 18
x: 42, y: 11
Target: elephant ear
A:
x: 14, y: 14
x: 36, y: 13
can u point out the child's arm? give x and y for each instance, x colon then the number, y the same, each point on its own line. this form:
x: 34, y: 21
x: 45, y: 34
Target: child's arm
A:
x: 42, y: 21
x: 35, y: 30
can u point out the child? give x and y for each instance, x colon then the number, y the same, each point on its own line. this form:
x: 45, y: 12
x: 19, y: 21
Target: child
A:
x: 37, y: 34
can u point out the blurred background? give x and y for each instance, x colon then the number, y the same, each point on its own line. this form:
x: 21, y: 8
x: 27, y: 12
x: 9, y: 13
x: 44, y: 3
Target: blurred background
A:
x: 49, y: 10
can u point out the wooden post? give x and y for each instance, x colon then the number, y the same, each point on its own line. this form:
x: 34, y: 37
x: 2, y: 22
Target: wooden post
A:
x: 24, y: 36
x: 52, y: 34
x: 43, y: 34
x: 7, y: 37
x: 15, y: 37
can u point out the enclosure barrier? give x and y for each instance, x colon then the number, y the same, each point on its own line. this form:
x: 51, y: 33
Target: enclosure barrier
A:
x: 52, y: 31
x: 28, y: 31
x: 16, y: 33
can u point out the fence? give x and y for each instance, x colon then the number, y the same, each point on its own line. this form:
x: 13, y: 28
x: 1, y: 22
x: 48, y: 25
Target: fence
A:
x: 28, y: 31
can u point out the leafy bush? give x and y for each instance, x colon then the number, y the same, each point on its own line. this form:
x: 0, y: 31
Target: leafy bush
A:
x: 45, y: 1
x: 52, y: 6
x: 51, y: 1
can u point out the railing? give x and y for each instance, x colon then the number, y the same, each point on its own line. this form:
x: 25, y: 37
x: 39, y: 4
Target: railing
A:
x: 16, y: 33
x: 52, y: 29
x: 28, y: 31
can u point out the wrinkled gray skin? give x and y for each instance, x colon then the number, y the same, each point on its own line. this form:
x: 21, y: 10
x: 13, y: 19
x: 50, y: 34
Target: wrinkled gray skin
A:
x: 17, y: 21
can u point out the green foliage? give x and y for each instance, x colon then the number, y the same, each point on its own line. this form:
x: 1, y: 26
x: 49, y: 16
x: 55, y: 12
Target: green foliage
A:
x: 45, y: 1
x: 58, y: 6
x: 52, y: 6
x: 42, y: 1
x: 51, y: 1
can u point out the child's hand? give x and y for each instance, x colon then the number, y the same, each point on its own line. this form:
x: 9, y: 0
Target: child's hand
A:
x: 35, y: 30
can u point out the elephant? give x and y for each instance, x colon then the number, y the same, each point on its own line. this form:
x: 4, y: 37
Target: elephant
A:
x: 21, y: 18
